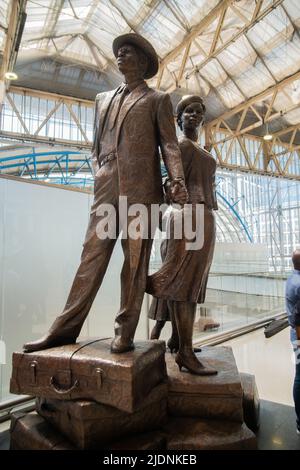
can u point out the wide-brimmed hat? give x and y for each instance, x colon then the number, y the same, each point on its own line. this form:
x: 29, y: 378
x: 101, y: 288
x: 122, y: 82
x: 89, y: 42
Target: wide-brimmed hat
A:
x: 144, y: 45
x: 186, y: 101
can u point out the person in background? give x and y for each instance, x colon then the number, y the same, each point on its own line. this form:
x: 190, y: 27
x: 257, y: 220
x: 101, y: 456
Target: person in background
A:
x: 292, y: 298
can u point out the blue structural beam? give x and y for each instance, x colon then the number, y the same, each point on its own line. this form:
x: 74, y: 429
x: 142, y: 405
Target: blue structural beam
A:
x: 42, y: 162
x: 38, y: 154
x: 237, y: 215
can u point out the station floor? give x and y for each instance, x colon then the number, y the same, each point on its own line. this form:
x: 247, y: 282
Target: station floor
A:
x: 270, y: 360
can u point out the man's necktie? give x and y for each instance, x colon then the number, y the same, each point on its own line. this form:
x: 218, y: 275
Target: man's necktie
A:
x: 116, y: 106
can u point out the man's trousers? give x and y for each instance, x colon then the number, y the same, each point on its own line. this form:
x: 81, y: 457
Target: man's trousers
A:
x: 95, y: 258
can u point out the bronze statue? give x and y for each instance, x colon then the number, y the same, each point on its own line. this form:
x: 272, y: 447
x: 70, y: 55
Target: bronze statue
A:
x: 181, y: 282
x: 131, y: 123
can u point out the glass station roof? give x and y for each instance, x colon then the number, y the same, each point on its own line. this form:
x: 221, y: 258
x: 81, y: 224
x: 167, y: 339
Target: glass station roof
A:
x: 66, y: 39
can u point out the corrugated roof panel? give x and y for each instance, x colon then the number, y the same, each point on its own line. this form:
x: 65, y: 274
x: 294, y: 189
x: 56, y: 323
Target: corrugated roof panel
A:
x: 194, y: 10
x: 196, y: 84
x: 231, y: 25
x: 238, y: 57
x: 245, y: 8
x: 230, y: 94
x: 4, y: 12
x: 135, y: 11
x: 163, y: 29
x: 214, y: 73
x: 2, y: 40
x: 107, y: 18
x: 254, y: 80
x: 37, y: 15
x: 293, y: 117
x: 104, y: 43
x: 282, y: 101
x: 79, y: 50
x: 271, y: 31
x: 292, y: 9
x: 60, y: 32
x: 284, y: 59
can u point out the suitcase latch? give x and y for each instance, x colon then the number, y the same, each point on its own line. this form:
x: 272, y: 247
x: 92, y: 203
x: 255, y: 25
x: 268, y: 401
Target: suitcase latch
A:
x: 33, y: 366
x: 99, y: 377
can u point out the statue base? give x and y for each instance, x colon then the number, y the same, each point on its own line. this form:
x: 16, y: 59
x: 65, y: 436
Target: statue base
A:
x: 88, y: 425
x: 251, y: 403
x: 218, y: 396
x: 183, y: 412
x: 200, y: 434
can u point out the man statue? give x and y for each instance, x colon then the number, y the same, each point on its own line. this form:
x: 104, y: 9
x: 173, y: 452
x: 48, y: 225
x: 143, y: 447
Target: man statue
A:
x: 131, y: 123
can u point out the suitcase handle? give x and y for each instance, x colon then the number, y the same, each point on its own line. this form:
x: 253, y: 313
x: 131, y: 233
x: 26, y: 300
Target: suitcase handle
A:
x: 62, y: 391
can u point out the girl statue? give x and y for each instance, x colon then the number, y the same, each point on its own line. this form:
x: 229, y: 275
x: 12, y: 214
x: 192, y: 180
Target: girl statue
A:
x: 181, y: 282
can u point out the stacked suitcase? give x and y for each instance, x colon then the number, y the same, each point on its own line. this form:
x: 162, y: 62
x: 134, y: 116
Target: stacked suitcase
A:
x: 92, y: 397
x: 89, y: 398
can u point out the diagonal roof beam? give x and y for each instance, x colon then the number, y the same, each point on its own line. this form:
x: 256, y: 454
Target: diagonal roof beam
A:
x: 229, y: 75
x: 53, y: 17
x: 217, y: 12
x: 93, y: 47
x: 257, y: 9
x: 242, y: 31
x: 196, y: 30
x: 218, y: 30
x: 260, y: 97
x: 119, y: 10
x: 178, y: 15
x: 259, y: 55
x: 296, y: 29
x: 3, y: 27
x: 143, y: 13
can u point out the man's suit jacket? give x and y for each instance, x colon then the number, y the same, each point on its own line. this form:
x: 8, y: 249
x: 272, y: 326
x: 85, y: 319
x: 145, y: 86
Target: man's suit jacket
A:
x: 145, y: 123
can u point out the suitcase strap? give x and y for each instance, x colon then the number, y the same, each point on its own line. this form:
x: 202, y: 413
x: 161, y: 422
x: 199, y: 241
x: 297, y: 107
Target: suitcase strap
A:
x: 65, y: 391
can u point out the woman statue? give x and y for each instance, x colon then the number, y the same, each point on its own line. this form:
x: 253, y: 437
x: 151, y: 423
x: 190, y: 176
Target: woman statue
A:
x: 181, y: 281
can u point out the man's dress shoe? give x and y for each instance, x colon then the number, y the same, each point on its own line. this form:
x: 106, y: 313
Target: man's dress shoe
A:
x: 120, y: 345
x: 46, y: 342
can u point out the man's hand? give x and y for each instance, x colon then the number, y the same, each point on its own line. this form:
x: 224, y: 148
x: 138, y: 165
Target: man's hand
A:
x: 178, y: 192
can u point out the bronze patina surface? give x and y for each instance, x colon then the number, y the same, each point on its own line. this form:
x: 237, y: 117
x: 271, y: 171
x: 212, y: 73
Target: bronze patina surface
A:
x: 182, y: 279
x: 132, y: 123
x: 89, y: 370
x: 251, y: 401
x: 88, y: 425
x: 214, y: 397
x: 210, y: 434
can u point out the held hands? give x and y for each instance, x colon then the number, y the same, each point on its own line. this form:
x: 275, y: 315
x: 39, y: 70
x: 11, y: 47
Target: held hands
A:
x: 177, y: 192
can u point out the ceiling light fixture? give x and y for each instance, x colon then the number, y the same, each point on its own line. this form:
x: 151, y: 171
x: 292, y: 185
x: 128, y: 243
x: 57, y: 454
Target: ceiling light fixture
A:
x: 11, y: 76
x: 267, y: 136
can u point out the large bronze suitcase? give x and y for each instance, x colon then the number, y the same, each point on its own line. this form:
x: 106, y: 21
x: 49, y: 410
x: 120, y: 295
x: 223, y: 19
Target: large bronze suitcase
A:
x: 89, y: 425
x: 88, y: 370
x: 31, y: 432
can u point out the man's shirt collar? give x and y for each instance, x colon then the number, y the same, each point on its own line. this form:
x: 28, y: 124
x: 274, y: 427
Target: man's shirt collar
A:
x: 131, y: 86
